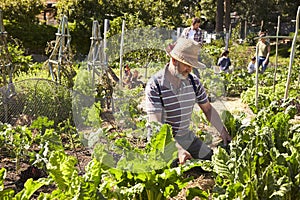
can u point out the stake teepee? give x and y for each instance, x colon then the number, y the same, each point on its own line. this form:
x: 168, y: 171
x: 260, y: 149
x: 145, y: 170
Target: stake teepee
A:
x: 60, y: 60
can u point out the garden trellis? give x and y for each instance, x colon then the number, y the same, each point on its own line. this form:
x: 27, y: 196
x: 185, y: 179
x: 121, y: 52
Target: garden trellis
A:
x: 95, y: 59
x: 97, y: 64
x: 60, y: 60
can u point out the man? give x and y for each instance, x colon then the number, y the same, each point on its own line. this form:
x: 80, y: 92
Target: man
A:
x: 193, y: 32
x: 179, y: 93
x: 263, y: 48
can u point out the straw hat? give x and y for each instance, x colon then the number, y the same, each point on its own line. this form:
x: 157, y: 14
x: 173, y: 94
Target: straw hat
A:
x: 186, y: 51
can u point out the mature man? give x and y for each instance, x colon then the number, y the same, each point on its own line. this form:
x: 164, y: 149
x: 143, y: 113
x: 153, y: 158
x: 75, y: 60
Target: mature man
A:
x: 170, y: 98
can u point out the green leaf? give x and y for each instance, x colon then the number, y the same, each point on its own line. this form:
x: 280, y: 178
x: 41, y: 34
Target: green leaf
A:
x: 30, y: 187
x: 196, y: 192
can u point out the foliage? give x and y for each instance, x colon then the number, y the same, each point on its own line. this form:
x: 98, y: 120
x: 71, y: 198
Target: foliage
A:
x: 142, y: 44
x: 142, y: 173
x: 52, y: 100
x: 19, y: 60
x: 92, y: 115
x: 267, y: 95
x: 16, y: 141
x: 4, y: 193
x: 127, y: 110
x: 33, y: 37
x: 261, y: 161
x: 24, y: 12
x: 237, y: 82
x: 13, y: 59
x: 231, y: 123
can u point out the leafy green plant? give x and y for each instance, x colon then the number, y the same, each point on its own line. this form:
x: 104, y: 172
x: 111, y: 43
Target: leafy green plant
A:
x: 232, y: 123
x: 4, y: 193
x: 144, y: 173
x: 16, y: 142
x: 92, y: 115
x: 262, y: 159
x: 127, y: 111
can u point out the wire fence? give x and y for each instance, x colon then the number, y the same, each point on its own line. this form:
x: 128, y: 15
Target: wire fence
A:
x: 28, y: 99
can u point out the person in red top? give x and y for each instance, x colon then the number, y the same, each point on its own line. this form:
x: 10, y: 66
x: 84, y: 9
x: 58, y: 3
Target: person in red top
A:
x: 127, y: 76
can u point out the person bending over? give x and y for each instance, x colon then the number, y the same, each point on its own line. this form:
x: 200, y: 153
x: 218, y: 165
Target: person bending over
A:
x: 180, y: 90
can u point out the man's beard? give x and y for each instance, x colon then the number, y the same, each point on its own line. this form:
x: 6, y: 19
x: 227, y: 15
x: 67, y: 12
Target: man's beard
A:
x: 178, y: 74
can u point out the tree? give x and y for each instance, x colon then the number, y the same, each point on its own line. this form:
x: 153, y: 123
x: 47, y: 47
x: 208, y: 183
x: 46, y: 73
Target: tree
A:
x: 219, y: 16
x: 24, y: 12
x: 227, y: 15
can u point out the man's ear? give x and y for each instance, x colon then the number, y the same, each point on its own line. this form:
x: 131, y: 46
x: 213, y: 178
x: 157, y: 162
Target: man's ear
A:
x: 174, y: 62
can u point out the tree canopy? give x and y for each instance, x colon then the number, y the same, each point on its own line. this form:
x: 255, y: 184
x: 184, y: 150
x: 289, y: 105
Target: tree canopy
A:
x: 168, y: 13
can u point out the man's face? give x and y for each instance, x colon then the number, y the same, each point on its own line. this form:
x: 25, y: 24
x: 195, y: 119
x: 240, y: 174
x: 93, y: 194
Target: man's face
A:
x: 183, y: 70
x: 196, y: 26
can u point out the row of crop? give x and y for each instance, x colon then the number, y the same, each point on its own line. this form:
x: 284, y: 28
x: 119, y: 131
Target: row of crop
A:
x: 263, y: 160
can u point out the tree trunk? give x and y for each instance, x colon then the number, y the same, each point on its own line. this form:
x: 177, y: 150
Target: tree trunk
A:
x: 227, y: 15
x: 219, y: 16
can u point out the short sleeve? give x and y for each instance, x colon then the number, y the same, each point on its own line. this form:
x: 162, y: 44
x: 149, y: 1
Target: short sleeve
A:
x: 153, y: 103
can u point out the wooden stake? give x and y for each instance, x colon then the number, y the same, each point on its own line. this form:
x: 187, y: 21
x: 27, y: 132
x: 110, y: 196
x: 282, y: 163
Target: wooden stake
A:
x: 276, y: 55
x: 292, y: 55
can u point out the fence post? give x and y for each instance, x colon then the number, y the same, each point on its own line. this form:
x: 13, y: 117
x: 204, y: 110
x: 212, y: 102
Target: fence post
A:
x: 276, y: 54
x: 121, y: 54
x: 292, y: 55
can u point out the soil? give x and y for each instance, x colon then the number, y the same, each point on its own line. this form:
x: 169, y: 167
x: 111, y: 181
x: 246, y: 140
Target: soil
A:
x: 15, y: 179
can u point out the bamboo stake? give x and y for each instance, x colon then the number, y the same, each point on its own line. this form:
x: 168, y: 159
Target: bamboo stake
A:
x: 245, y: 30
x: 121, y: 53
x: 256, y: 78
x: 276, y: 55
x: 106, y: 24
x: 292, y: 55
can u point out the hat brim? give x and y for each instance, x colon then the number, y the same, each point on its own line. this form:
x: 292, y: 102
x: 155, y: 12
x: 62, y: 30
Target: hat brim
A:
x: 195, y: 64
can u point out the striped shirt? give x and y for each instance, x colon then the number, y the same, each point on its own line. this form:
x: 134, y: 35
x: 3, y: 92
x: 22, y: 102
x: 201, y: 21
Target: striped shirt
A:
x: 178, y: 103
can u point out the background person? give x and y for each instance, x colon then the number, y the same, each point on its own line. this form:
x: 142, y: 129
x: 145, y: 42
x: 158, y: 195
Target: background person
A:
x: 251, y: 65
x: 224, y: 61
x: 135, y: 82
x: 195, y: 33
x: 264, y: 49
x: 127, y: 75
x: 178, y: 98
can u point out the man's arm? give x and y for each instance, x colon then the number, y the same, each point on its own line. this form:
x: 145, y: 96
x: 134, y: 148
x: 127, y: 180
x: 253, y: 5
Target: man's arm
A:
x: 213, y: 117
x: 268, y: 54
x: 155, y: 117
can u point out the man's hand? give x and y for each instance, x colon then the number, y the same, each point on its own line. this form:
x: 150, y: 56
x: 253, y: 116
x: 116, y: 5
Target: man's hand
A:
x: 183, y: 155
x: 225, y: 136
x: 266, y: 61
